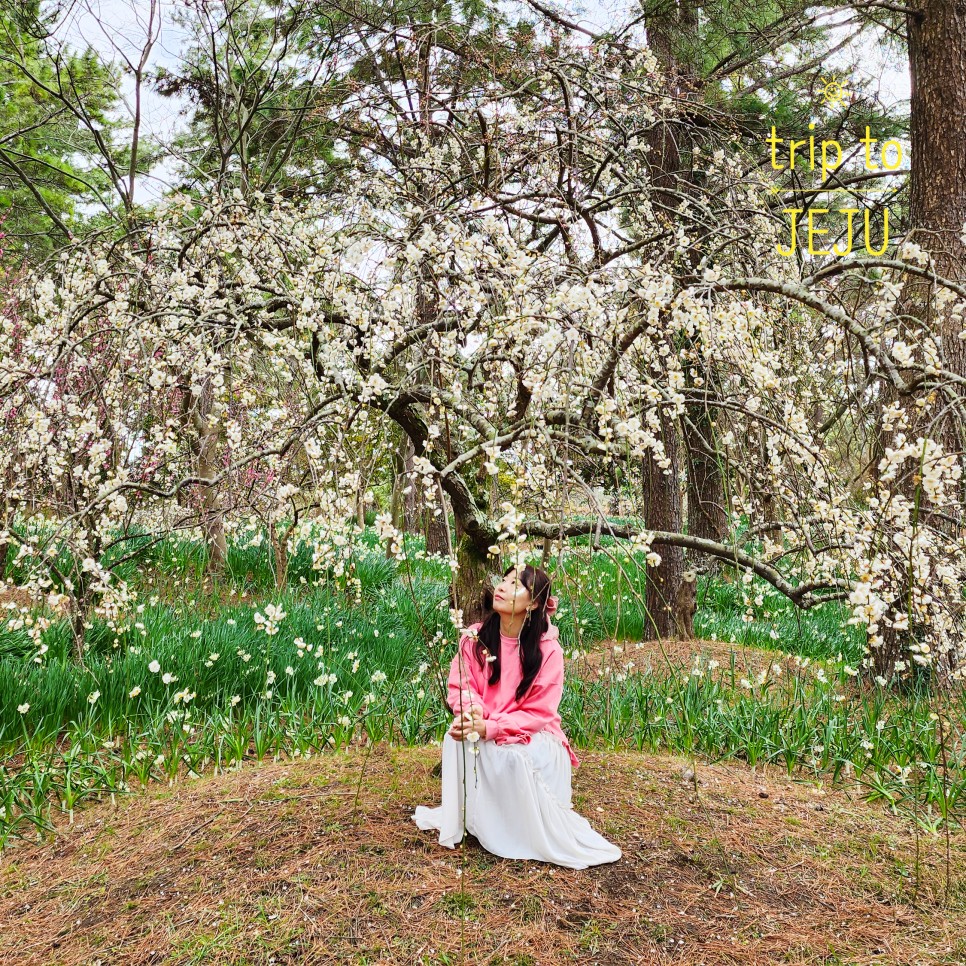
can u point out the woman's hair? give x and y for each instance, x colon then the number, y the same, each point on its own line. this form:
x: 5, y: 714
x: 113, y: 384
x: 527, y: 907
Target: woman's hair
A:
x: 534, y: 627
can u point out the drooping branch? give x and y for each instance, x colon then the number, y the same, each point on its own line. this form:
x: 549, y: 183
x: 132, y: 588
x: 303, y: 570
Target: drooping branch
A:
x: 480, y: 530
x: 804, y: 595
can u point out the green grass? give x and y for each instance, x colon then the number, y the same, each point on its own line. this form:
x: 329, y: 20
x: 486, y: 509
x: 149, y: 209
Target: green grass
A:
x: 268, y: 695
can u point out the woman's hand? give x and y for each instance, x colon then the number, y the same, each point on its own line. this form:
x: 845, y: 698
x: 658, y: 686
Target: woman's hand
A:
x: 471, y: 720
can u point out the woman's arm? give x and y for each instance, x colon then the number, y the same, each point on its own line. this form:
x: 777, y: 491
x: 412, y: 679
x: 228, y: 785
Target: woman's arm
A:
x: 539, y: 707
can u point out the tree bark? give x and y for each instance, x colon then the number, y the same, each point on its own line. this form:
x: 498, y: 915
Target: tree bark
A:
x: 436, y: 528
x: 278, y: 542
x: 706, y: 514
x: 937, y: 187
x: 937, y: 211
x: 81, y: 601
x: 671, y: 159
x: 663, y: 511
x: 685, y: 606
x: 466, y: 591
x: 6, y: 523
x: 396, y: 507
x: 442, y: 526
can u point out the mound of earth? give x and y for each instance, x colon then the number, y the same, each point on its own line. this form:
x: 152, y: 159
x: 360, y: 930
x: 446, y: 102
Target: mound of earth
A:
x: 674, y: 655
x: 318, y: 861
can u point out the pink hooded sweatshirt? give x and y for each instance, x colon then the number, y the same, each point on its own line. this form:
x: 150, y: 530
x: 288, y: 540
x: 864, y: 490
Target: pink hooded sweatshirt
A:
x: 509, y: 721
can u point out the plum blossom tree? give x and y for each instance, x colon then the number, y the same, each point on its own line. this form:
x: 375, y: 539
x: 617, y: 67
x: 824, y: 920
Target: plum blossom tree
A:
x: 507, y: 292
x: 101, y: 362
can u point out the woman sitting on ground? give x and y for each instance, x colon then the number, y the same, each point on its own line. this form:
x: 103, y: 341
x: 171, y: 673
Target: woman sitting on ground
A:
x: 506, y: 762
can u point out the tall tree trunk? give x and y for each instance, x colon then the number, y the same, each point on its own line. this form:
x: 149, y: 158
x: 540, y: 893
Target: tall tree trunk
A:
x: 937, y: 211
x: 78, y: 624
x: 82, y: 599
x: 706, y: 513
x: 937, y: 196
x: 396, y: 507
x: 663, y: 511
x: 672, y: 164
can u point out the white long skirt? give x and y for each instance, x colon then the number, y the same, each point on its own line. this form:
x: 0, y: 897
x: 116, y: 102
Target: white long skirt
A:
x: 517, y: 803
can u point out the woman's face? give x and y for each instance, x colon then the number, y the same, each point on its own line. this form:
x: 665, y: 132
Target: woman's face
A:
x: 510, y: 597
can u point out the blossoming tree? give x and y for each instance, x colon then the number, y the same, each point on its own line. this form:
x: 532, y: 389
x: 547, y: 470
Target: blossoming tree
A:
x: 499, y: 278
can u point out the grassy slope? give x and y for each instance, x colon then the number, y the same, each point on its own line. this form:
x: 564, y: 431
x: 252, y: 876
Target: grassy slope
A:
x: 273, y: 863
x: 276, y: 863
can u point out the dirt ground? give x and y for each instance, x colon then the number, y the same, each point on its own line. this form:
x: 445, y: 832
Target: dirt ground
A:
x: 660, y: 657
x: 282, y: 863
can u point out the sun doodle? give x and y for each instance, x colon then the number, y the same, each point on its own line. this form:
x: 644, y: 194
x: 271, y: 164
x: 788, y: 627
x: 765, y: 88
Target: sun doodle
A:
x: 833, y: 93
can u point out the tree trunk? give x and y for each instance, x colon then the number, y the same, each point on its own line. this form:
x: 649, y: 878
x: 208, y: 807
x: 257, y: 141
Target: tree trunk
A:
x: 396, y: 508
x: 545, y: 555
x: 436, y: 528
x: 79, y: 631
x: 279, y: 544
x: 9, y: 513
x: 937, y: 195
x: 685, y: 606
x: 443, y: 518
x: 937, y: 212
x: 706, y: 513
x: 474, y: 568
x: 397, y: 501
x: 662, y: 495
x: 672, y: 165
x: 80, y: 611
